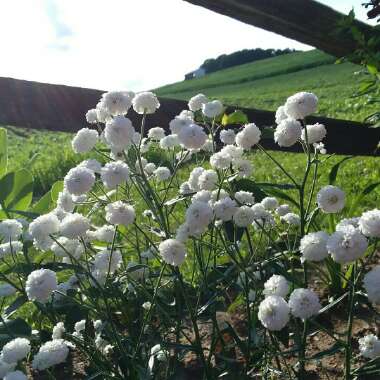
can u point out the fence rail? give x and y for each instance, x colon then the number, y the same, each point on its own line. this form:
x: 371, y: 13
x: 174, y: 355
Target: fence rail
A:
x: 62, y: 108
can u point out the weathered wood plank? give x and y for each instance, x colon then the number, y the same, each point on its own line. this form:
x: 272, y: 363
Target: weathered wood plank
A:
x: 62, y: 108
x: 306, y: 21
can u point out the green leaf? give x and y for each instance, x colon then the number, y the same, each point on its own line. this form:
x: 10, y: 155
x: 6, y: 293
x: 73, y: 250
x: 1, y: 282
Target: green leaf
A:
x: 360, y: 197
x: 16, y: 190
x: 236, y: 117
x: 3, y: 152
x: 267, y: 133
x: 334, y: 171
x: 372, y: 69
x: 15, y: 305
x: 48, y: 202
x: 233, y: 233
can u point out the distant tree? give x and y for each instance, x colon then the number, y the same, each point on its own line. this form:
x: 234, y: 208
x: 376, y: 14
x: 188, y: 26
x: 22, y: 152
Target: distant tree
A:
x: 240, y: 57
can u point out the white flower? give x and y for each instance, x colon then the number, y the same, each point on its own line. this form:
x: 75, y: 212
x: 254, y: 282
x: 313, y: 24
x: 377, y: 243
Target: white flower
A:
x: 315, y: 133
x: 194, y: 178
x: 10, y: 229
x: 12, y: 247
x: 186, y: 114
x: 65, y: 201
x: 347, y: 245
x: 7, y: 290
x: 172, y: 252
x: 372, y: 284
x: 313, y: 246
x: 234, y: 151
x: 283, y: 210
x: 15, y: 375
x: 145, y: 102
x: 116, y: 102
x: 202, y: 196
x: 43, y: 226
x: 15, y: 350
x: 5, y: 368
x: 245, y: 197
x: 274, y: 313
x: 220, y: 160
x: 208, y: 180
x: 197, y: 101
x: 58, y: 331
x: 74, y: 226
x: 208, y: 146
x: 269, y: 203
x: 101, y: 114
x: 169, y: 142
x: 179, y: 123
x: 156, y: 133
x: 304, y: 303
x: 243, y: 167
x: 227, y: 136
x: 369, y: 223
x: 120, y: 213
x: 50, y: 353
x: 354, y: 222
x: 288, y: 132
x: 192, y: 136
x: 259, y: 212
x: 91, y: 116
x: 40, y: 285
x: 104, y: 233
x: 244, y: 216
x: 80, y: 326
x: 301, y: 104
x: 331, y: 199
x: 369, y: 346
x: 114, y: 173
x: 162, y: 173
x: 218, y: 194
x: 212, y: 109
x: 248, y: 137
x: 291, y: 218
x: 79, y: 180
x: 280, y: 114
x: 225, y: 209
x: 185, y: 188
x: 198, y: 216
x: 105, y: 261
x: 84, y: 140
x: 277, y: 285
x: 65, y: 247
x: 149, y: 168
x: 147, y: 305
x: 119, y: 132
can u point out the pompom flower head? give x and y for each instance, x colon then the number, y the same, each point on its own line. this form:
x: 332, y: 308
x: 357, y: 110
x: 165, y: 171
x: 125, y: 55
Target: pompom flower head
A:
x: 84, y: 140
x: 313, y: 246
x: 145, y: 102
x: 331, y: 199
x: 369, y: 346
x: 304, y: 303
x: 172, y: 252
x: 372, y: 284
x: 15, y: 350
x: 50, y: 354
x: 40, y: 285
x: 274, y: 313
x: 276, y: 286
x: 369, y: 223
x: 301, y: 104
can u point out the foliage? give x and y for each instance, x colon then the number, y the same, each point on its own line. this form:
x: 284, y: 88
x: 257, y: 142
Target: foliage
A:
x: 266, y: 84
x: 241, y: 57
x: 162, y: 287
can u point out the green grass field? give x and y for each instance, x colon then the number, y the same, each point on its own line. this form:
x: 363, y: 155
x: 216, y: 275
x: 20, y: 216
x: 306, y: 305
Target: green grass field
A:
x: 264, y: 84
x: 267, y: 83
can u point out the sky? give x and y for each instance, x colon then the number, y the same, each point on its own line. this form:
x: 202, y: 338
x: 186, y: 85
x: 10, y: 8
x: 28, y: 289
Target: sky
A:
x: 123, y: 44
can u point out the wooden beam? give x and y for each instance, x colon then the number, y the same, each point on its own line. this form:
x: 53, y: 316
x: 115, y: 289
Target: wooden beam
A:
x: 63, y: 108
x: 306, y: 21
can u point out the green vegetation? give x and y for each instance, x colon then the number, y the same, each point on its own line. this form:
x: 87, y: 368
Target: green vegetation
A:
x: 267, y: 83
x: 46, y: 154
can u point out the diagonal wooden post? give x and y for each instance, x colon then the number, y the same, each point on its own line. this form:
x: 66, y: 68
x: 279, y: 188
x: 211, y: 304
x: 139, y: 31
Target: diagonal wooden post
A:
x: 306, y: 21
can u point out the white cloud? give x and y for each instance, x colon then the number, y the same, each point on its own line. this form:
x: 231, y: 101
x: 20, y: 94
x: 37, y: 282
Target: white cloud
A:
x: 129, y: 44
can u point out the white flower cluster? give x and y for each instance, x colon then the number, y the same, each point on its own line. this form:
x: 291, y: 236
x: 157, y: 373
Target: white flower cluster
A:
x: 289, y: 128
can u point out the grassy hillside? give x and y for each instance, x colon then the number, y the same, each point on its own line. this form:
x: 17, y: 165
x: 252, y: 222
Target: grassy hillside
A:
x: 267, y: 83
